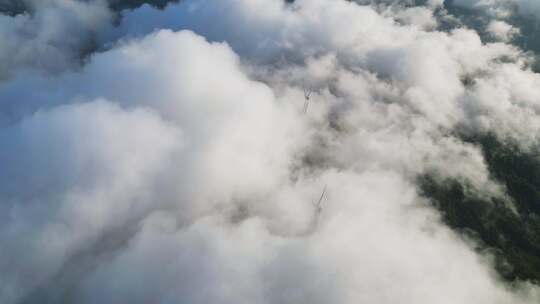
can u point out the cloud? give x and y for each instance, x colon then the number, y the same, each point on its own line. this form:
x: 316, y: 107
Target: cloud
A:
x: 502, y: 30
x: 56, y: 35
x: 177, y: 163
x: 503, y: 8
x: 53, y: 37
x: 69, y: 175
x: 246, y: 263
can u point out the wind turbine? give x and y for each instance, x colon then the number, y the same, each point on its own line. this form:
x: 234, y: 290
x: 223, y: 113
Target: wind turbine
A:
x: 318, y: 205
x: 307, y: 95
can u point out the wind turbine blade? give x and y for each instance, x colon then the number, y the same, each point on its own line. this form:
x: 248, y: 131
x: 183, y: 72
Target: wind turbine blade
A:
x: 322, y: 196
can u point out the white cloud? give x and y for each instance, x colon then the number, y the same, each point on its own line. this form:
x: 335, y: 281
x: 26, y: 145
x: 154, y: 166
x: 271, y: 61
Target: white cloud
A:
x: 53, y: 37
x: 501, y: 30
x: 70, y: 176
x: 177, y: 166
x: 503, y: 8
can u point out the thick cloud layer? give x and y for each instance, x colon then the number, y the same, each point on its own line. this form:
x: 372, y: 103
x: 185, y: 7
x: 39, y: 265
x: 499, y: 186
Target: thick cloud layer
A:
x: 183, y: 161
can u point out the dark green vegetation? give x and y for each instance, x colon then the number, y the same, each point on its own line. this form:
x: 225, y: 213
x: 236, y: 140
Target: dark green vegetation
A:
x: 118, y: 5
x: 513, y: 237
x: 12, y: 7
